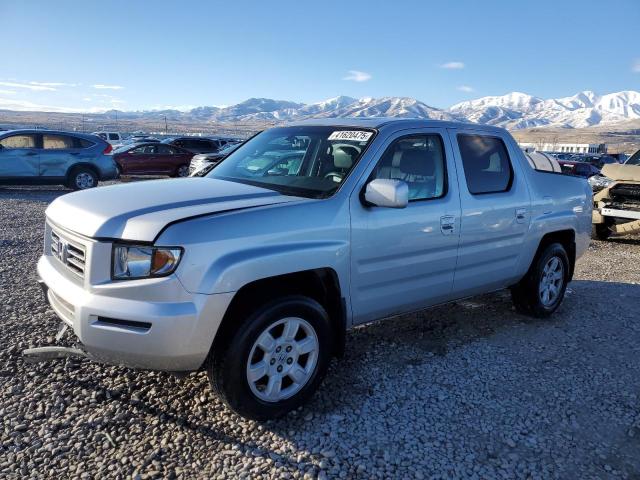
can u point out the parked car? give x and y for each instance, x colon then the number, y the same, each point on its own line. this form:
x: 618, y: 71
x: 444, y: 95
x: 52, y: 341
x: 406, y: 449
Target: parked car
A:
x: 581, y: 169
x: 254, y: 272
x: 114, y: 138
x: 202, y: 163
x: 152, y: 159
x: 142, y: 139
x: 196, y: 144
x: 597, y: 160
x: 49, y: 157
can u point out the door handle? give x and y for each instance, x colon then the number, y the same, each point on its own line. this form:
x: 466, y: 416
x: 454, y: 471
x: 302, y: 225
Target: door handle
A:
x: 30, y: 154
x: 447, y: 224
x: 521, y: 215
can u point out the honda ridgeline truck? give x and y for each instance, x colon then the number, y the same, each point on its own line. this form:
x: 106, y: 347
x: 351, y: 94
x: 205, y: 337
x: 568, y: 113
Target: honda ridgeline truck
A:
x: 255, y: 271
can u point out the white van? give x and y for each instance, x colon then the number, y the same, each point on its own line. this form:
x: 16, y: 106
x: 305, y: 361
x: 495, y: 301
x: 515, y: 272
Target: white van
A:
x: 114, y: 138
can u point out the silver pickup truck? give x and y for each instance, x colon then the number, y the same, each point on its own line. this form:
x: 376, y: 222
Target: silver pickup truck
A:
x: 255, y: 272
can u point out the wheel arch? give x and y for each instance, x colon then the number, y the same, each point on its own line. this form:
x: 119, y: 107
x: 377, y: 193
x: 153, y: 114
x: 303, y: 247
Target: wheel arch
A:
x: 320, y: 284
x: 78, y: 165
x: 566, y: 238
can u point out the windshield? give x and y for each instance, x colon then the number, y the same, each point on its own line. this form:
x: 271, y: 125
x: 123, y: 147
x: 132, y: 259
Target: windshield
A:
x: 309, y: 161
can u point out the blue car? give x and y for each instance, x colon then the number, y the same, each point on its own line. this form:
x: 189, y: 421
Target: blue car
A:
x: 47, y: 157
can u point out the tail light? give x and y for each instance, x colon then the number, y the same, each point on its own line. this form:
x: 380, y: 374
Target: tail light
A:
x: 107, y: 149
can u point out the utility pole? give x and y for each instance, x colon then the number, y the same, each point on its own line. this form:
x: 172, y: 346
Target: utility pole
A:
x: 166, y: 128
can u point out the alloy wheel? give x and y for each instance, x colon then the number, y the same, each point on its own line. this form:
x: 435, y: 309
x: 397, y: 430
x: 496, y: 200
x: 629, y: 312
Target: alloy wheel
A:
x: 84, y: 180
x: 551, y: 281
x: 282, y: 359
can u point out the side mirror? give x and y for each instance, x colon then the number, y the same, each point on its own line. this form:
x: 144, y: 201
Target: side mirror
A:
x: 383, y: 192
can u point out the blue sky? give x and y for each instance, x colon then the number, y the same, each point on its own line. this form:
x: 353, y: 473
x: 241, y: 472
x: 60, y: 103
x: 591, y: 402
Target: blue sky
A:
x: 85, y: 55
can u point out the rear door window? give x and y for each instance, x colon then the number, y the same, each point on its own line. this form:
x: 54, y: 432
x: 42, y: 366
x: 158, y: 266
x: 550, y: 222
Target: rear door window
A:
x: 165, y: 150
x: 114, y: 136
x: 19, y: 141
x: 58, y: 142
x: 486, y: 164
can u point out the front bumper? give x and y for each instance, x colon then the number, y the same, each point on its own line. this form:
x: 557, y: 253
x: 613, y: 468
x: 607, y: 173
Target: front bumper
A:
x: 173, y: 331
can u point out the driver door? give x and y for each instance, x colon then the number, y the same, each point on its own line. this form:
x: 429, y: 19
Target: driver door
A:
x: 404, y: 259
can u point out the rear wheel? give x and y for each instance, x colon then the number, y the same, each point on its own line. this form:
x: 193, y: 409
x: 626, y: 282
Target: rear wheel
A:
x: 542, y: 289
x: 275, y: 360
x: 82, y: 178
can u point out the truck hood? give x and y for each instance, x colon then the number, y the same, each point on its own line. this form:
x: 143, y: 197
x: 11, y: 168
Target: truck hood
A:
x: 139, y: 211
x: 620, y: 173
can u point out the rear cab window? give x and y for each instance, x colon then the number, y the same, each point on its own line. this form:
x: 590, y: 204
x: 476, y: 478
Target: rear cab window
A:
x: 486, y: 163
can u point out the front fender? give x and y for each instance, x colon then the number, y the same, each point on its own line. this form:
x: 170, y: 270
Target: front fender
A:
x: 233, y: 270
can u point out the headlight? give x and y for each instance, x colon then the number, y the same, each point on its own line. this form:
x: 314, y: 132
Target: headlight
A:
x: 140, y: 261
x: 600, y: 181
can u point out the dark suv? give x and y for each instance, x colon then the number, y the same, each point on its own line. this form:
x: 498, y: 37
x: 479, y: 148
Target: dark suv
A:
x: 50, y: 157
x: 198, y: 144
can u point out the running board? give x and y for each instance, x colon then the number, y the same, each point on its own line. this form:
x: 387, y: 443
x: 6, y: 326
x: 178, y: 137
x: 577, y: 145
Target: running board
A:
x: 44, y: 354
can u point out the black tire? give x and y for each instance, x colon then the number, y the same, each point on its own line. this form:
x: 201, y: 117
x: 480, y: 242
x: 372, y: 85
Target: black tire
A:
x: 527, y: 296
x: 81, y: 178
x: 600, y: 231
x: 228, y: 363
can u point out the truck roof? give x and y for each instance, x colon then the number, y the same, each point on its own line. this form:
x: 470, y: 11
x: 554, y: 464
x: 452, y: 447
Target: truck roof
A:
x: 378, y: 122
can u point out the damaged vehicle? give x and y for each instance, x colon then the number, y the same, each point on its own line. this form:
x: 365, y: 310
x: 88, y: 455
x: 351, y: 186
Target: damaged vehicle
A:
x: 616, y: 207
x: 255, y: 272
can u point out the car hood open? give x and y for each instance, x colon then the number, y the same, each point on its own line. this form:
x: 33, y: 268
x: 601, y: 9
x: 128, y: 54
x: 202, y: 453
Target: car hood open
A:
x: 630, y: 173
x: 140, y: 211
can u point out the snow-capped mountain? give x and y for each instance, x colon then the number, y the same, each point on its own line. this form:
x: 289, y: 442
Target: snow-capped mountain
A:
x: 514, y: 110
x: 519, y: 110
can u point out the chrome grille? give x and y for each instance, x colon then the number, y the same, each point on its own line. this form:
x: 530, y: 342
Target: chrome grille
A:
x: 71, y: 254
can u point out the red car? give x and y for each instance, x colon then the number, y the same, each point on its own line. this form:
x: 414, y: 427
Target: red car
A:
x: 153, y: 159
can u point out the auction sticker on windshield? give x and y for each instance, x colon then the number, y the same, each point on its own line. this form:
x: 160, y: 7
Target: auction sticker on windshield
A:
x: 357, y: 135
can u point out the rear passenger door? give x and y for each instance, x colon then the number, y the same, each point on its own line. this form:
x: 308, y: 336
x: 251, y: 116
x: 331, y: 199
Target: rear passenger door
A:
x: 58, y: 154
x: 20, y: 156
x: 496, y: 210
x: 404, y: 259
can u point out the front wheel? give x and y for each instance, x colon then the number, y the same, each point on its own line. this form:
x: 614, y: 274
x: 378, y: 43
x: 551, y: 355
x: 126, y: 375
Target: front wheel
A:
x: 600, y: 231
x: 275, y: 360
x: 542, y: 289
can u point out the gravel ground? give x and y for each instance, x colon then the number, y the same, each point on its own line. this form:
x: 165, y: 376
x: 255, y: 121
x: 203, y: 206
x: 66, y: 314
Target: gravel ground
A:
x: 470, y: 390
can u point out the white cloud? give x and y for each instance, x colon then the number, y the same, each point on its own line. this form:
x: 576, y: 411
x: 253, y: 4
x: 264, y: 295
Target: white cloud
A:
x: 26, y: 106
x: 452, y: 65
x: 466, y: 88
x: 100, y: 86
x: 357, y: 76
x: 28, y: 86
x: 636, y: 66
x: 7, y: 92
x: 54, y: 84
